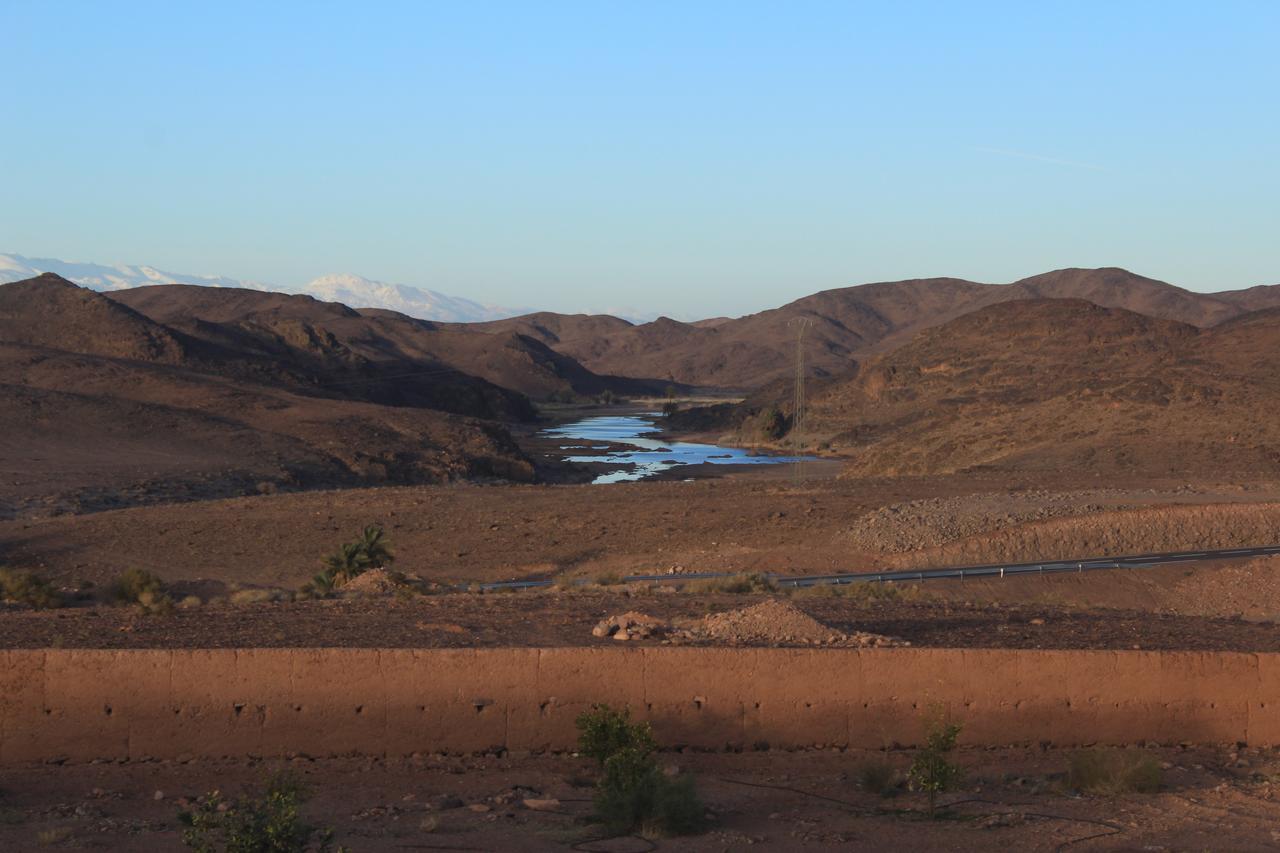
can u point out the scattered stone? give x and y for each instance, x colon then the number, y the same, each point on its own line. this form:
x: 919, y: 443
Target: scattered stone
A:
x: 479, y: 808
x: 629, y: 626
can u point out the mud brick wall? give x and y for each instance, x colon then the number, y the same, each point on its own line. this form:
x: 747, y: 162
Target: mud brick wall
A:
x: 79, y: 705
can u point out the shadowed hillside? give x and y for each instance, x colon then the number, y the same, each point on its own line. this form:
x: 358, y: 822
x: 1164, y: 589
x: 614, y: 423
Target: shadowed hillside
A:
x: 386, y: 356
x: 101, y: 406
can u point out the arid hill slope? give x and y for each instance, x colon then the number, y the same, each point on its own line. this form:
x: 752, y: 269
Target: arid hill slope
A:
x: 848, y: 324
x: 101, y: 406
x: 394, y: 358
x: 1063, y: 385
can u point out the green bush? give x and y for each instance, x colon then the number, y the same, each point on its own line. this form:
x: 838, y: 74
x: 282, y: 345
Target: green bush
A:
x: 29, y: 589
x: 267, y: 823
x: 931, y: 771
x: 1114, y: 771
x: 633, y: 794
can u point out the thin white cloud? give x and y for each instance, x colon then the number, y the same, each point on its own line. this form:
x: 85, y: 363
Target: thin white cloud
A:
x: 1040, y: 158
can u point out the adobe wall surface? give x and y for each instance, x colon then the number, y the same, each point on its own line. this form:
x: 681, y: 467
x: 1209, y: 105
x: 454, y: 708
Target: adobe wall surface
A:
x: 79, y: 705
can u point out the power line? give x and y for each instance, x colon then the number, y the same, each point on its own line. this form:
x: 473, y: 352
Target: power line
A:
x: 797, y: 403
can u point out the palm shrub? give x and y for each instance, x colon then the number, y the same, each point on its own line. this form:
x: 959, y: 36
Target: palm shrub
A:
x: 371, y: 551
x: 376, y: 547
x: 347, y: 562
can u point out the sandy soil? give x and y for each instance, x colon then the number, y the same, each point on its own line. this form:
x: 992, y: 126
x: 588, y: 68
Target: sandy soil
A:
x: 1212, y: 799
x: 558, y: 619
x: 748, y: 523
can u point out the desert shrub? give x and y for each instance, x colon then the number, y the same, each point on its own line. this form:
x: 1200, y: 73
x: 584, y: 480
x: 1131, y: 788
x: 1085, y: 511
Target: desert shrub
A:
x: 609, y: 579
x: 253, y: 596
x: 155, y: 603
x: 54, y: 837
x: 133, y: 584
x: 633, y: 794
x: 29, y: 589
x: 931, y: 770
x: 1114, y: 771
x: 267, y: 823
x: 878, y: 777
x: 741, y: 584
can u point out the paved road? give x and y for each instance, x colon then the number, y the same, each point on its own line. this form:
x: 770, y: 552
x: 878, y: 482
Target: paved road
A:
x: 1089, y: 564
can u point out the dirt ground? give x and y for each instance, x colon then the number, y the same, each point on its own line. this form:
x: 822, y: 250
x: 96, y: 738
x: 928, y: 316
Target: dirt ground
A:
x: 1016, y: 799
x: 551, y: 619
x: 747, y: 523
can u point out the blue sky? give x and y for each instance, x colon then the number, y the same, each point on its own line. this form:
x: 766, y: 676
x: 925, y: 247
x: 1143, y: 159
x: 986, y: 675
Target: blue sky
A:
x: 692, y: 158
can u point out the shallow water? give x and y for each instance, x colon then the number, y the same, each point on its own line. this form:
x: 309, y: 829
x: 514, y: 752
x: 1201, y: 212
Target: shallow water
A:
x: 651, y: 455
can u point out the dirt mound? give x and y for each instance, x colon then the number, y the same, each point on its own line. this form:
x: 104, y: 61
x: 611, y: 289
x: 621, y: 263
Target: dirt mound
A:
x: 775, y: 623
x: 373, y: 582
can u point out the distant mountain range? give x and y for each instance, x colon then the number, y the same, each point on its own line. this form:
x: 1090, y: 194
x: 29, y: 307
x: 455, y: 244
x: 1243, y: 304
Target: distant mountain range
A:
x: 353, y: 290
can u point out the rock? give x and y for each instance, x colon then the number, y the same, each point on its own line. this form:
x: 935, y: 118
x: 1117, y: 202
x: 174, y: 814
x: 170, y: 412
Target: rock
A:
x: 158, y: 795
x: 543, y: 805
x: 479, y: 808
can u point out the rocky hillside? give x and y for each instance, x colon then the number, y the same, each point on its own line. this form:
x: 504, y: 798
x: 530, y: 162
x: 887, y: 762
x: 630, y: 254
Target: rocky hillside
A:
x: 1062, y: 385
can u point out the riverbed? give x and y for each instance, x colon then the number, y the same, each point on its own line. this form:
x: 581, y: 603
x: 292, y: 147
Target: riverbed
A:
x: 651, y: 455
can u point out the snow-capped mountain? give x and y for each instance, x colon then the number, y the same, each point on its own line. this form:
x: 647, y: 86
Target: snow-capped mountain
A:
x: 361, y: 292
x: 104, y: 277
x: 352, y: 290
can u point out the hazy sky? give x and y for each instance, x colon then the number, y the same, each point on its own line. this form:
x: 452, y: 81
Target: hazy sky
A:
x: 693, y: 157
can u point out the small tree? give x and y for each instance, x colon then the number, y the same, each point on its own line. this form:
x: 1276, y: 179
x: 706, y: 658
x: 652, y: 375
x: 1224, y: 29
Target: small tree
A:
x: 931, y: 771
x: 632, y: 792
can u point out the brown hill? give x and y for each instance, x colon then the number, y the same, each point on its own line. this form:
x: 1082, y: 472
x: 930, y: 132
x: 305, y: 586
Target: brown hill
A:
x: 849, y: 324
x: 390, y: 357
x: 1062, y: 385
x: 101, y: 406
x: 50, y: 311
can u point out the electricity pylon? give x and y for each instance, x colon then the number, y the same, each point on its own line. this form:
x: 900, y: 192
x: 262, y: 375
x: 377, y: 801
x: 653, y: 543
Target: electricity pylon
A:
x: 797, y: 404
